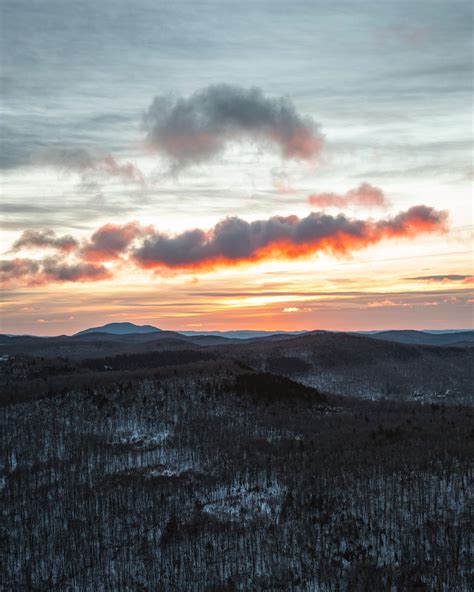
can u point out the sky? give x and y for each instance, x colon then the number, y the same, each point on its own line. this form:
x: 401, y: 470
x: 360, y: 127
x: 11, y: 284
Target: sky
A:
x: 236, y: 165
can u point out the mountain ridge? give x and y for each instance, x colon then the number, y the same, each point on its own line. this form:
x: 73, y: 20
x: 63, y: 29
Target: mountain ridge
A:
x: 120, y: 329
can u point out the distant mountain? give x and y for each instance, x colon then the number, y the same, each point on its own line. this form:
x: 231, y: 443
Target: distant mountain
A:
x: 461, y: 338
x: 130, y: 331
x: 243, y: 334
x: 121, y: 329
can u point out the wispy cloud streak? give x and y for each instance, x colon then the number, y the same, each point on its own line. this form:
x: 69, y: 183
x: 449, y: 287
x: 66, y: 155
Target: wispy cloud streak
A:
x: 87, y: 163
x: 444, y: 278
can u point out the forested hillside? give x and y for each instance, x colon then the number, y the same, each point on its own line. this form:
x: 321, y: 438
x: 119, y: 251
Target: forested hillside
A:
x: 211, y: 476
x: 341, y: 363
x: 359, y: 366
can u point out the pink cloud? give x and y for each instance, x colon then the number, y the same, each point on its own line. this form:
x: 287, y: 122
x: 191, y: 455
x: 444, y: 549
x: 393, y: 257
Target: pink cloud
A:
x: 365, y: 195
x: 112, y: 240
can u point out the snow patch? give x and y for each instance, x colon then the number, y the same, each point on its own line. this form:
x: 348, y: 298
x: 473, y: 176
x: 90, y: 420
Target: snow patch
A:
x: 137, y: 438
x: 247, y: 504
x: 170, y: 471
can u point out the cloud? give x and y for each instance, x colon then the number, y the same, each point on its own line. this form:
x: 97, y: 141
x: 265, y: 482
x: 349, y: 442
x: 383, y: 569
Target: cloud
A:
x: 31, y: 239
x: 112, y: 240
x: 60, y: 320
x: 60, y: 271
x: 230, y: 242
x: 384, y: 304
x: 234, y: 240
x: 399, y: 303
x: 365, y: 195
x: 197, y: 128
x: 30, y: 272
x: 14, y: 269
x: 445, y: 278
x: 417, y: 220
x: 85, y: 163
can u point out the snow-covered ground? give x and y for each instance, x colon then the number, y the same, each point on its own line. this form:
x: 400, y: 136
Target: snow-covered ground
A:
x: 243, y: 504
x: 138, y: 437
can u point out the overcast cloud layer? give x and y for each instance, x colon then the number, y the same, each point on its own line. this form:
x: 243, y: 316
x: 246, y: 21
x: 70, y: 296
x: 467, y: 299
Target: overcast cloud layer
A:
x: 97, y: 66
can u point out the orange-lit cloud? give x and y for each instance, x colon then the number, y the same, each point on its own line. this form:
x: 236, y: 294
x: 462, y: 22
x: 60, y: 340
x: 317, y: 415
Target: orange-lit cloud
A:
x: 231, y: 242
x: 365, y: 195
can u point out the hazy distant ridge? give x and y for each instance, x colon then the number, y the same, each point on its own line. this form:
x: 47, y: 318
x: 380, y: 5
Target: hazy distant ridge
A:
x: 120, y: 329
x: 448, y: 337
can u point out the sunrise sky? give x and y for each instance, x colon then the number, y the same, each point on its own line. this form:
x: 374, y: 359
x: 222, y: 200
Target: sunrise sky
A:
x: 236, y: 165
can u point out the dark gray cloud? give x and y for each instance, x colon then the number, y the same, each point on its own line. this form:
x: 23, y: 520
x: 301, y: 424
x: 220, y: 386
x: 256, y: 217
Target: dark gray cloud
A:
x: 44, y: 239
x: 17, y: 268
x: 59, y: 271
x: 197, y: 128
x: 31, y: 272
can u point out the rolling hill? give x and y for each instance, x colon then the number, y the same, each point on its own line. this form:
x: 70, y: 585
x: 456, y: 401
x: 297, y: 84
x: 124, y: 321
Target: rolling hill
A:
x: 457, y: 338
